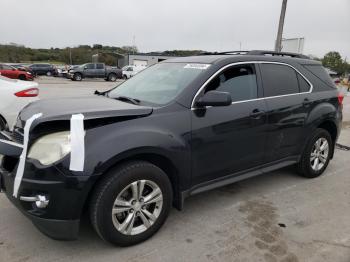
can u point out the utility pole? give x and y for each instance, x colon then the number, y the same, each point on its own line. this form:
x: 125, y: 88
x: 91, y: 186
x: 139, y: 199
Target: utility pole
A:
x: 278, y: 45
x: 70, y: 56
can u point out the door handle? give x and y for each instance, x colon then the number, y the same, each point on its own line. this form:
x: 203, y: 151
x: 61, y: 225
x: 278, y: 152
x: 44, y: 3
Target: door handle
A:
x: 306, y: 102
x: 256, y: 113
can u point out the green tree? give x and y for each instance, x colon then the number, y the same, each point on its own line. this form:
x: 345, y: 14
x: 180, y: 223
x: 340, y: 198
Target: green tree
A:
x: 334, y: 61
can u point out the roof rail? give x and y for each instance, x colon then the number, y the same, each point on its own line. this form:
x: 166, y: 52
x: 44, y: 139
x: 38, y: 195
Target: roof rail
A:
x: 225, y: 53
x: 274, y: 53
x: 257, y: 52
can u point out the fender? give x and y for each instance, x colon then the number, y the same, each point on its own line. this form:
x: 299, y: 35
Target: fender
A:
x: 321, y: 113
x: 123, y: 142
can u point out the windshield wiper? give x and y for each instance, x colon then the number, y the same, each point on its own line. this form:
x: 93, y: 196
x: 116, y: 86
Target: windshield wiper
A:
x: 128, y: 99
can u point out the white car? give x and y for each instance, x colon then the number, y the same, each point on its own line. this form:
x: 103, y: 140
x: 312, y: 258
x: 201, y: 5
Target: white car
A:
x: 14, y: 96
x: 131, y: 70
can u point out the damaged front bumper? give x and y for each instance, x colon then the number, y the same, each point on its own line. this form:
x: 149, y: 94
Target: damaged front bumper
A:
x: 64, y: 196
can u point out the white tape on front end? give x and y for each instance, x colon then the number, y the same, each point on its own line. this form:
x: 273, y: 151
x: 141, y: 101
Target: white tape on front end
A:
x: 22, y: 158
x: 77, y: 142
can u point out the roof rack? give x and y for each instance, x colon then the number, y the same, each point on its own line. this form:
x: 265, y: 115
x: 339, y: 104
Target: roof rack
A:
x: 274, y: 53
x: 257, y: 52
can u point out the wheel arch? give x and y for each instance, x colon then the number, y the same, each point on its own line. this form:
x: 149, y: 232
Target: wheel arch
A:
x: 332, y: 129
x: 156, y: 158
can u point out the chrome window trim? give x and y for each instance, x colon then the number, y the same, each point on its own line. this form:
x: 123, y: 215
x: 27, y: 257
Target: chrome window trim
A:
x: 255, y: 99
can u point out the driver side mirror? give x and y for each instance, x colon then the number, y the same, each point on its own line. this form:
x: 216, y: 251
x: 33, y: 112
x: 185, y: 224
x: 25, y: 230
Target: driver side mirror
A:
x: 85, y: 67
x: 214, y: 98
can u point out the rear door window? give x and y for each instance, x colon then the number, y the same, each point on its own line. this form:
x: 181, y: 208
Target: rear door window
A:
x: 279, y: 80
x: 99, y: 66
x: 240, y: 81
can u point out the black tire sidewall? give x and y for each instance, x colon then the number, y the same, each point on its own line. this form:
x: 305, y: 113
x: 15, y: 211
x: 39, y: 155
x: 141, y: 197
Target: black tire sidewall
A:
x: 75, y: 77
x: 306, y: 168
x: 110, y: 190
x: 110, y: 77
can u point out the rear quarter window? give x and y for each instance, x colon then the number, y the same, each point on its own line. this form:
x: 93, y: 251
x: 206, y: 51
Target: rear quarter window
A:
x: 321, y: 73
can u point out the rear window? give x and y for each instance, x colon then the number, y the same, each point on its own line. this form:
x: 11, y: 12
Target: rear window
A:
x: 320, y: 73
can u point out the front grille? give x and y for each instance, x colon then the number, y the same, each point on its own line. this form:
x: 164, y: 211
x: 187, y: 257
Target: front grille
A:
x: 17, y: 135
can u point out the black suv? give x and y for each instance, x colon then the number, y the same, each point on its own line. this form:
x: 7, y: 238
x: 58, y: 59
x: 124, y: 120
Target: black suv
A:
x: 178, y: 128
x: 43, y: 69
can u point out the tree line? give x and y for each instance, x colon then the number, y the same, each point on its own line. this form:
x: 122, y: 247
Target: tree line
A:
x: 13, y: 53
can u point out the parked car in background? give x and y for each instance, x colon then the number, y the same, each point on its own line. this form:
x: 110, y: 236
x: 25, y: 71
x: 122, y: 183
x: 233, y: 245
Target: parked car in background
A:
x: 178, y: 128
x: 43, y: 69
x: 14, y: 73
x: 14, y: 96
x: 131, y: 70
x: 25, y: 68
x: 95, y: 70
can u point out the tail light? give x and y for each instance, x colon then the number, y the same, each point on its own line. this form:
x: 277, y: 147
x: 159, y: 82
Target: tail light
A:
x: 31, y: 92
x: 340, y: 100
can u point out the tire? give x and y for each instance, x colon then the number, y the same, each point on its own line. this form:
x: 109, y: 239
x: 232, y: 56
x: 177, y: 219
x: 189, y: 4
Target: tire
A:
x: 112, y: 77
x: 22, y: 77
x: 49, y: 73
x: 313, y: 168
x: 77, y: 77
x: 125, y: 77
x: 117, y: 185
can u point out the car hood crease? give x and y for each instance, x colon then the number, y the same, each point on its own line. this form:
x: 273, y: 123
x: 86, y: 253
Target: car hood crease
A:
x: 92, y: 107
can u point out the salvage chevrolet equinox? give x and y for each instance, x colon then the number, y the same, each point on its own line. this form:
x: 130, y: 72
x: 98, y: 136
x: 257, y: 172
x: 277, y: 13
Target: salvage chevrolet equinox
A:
x: 176, y: 129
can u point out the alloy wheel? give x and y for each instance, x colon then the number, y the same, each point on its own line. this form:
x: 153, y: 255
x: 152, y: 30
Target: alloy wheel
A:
x: 319, y: 154
x: 137, y: 207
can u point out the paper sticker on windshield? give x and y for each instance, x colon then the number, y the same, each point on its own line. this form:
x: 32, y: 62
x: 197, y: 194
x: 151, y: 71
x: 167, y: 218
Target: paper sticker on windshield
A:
x: 197, y: 66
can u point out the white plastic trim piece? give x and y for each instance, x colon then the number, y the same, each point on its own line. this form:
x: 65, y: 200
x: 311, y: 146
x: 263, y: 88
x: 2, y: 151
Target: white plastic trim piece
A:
x: 22, y: 158
x: 77, y: 141
x: 11, y: 143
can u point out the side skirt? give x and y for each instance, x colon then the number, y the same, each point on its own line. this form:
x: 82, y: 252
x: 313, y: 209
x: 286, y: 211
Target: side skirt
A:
x: 236, y: 177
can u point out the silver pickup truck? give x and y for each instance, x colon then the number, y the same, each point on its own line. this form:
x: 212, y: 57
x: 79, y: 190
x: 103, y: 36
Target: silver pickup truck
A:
x: 95, y: 70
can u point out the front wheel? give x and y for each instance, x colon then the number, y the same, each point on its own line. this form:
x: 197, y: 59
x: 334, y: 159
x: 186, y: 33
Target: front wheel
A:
x: 77, y: 77
x: 316, y: 155
x: 131, y: 203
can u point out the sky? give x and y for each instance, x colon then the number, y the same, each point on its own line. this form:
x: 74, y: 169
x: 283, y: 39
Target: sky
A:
x: 158, y: 25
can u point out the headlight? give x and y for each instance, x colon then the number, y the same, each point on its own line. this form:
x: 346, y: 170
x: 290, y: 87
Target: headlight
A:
x: 29, y: 73
x: 51, y: 148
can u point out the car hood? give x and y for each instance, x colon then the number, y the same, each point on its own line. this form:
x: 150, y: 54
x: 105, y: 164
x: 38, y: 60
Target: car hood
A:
x: 92, y: 107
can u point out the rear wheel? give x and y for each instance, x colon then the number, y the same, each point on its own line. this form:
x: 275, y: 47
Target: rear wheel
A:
x: 316, y: 155
x: 48, y: 73
x: 131, y: 203
x: 112, y: 77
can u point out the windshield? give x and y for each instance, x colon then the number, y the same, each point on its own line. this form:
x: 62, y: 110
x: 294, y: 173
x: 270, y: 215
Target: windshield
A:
x: 159, y: 84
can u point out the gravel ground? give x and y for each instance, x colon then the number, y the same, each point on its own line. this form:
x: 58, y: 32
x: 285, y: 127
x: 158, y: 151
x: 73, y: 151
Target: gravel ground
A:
x: 276, y: 217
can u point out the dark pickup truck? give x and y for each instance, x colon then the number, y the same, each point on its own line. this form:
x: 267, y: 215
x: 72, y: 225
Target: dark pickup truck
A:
x: 98, y: 70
